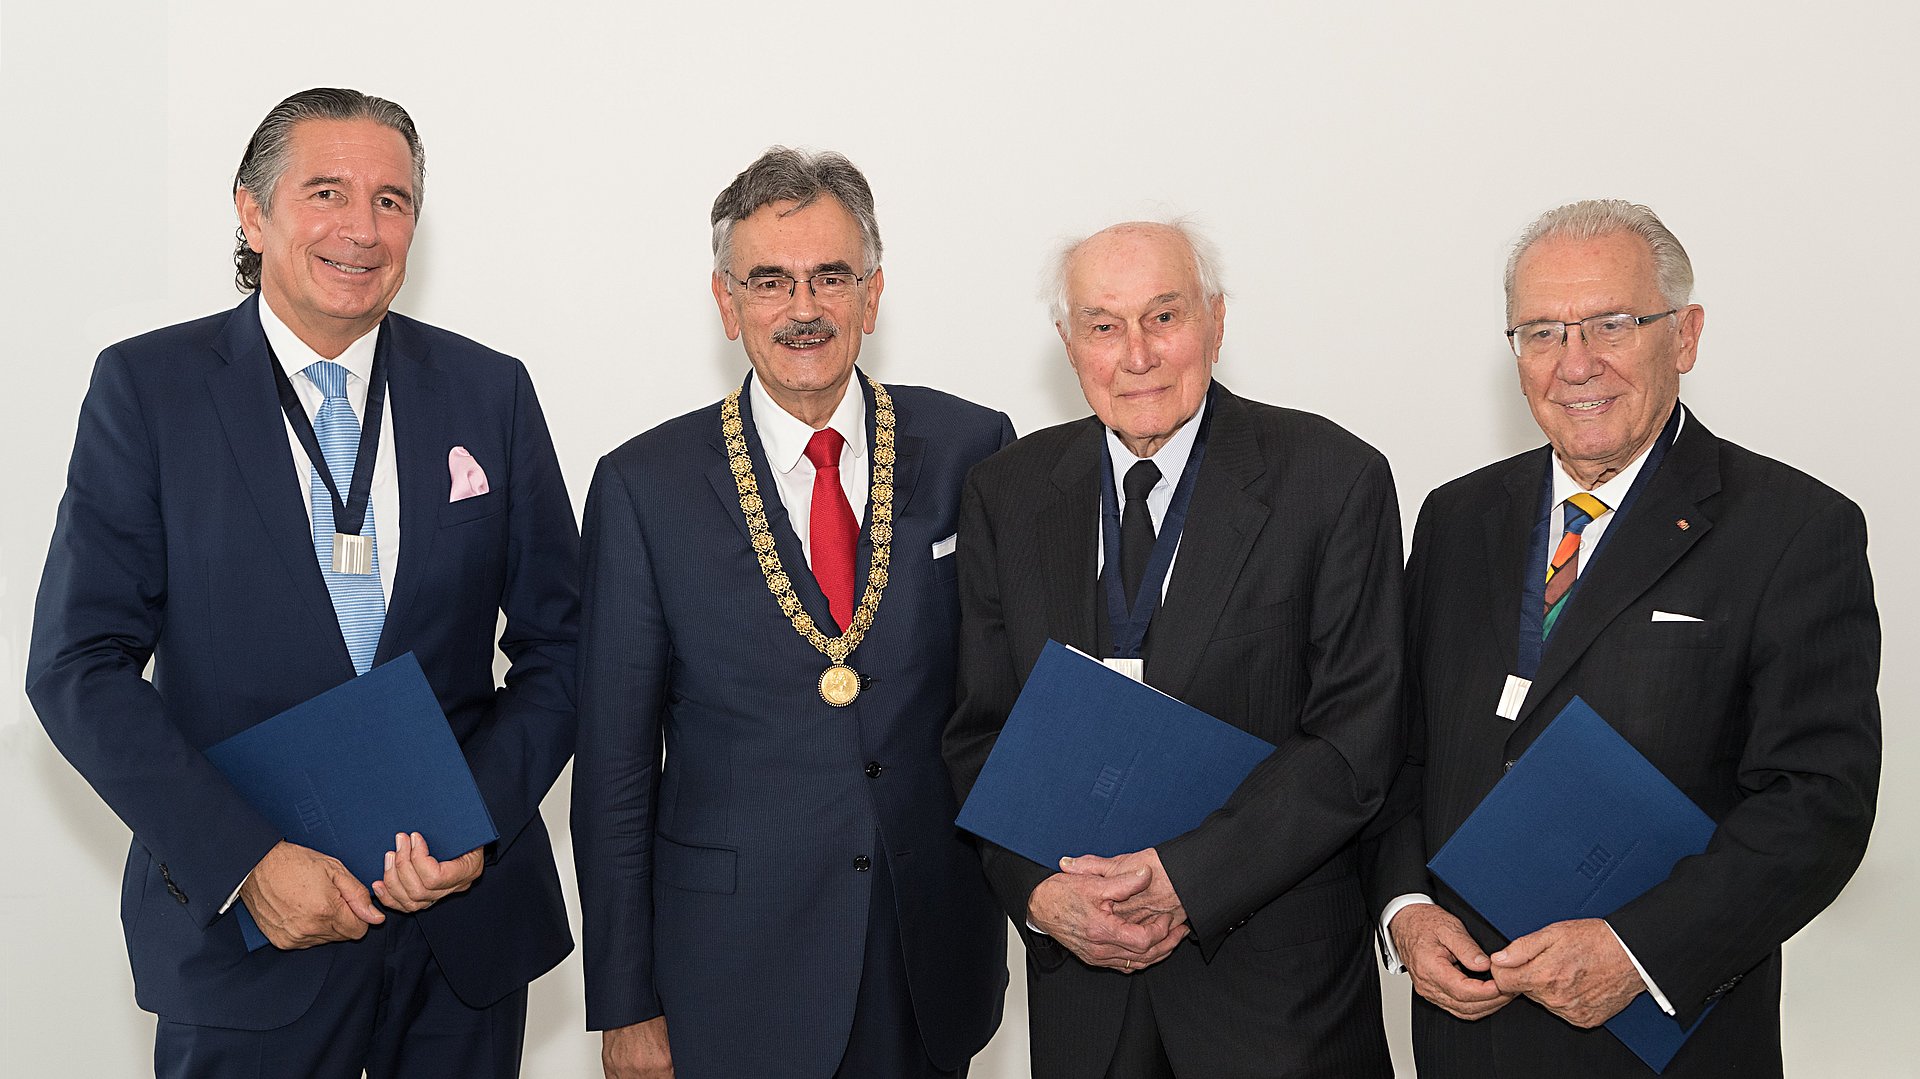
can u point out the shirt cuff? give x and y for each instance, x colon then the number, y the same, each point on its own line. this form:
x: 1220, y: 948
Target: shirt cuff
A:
x: 243, y: 883
x: 1652, y: 989
x: 1389, y: 956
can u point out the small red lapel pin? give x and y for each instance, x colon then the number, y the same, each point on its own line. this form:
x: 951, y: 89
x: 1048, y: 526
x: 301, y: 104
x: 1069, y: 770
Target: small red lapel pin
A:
x: 1682, y: 524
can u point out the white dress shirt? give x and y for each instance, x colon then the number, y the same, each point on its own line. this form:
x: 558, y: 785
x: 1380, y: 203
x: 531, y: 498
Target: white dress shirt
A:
x: 783, y: 441
x: 1612, y: 492
x: 1171, y: 460
x: 295, y: 357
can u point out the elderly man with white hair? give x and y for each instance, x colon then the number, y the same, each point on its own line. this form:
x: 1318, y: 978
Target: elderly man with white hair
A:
x: 1241, y: 947
x: 1711, y: 604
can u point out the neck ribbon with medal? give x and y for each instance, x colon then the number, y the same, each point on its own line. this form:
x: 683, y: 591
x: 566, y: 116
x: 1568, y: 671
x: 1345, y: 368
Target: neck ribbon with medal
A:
x: 839, y: 684
x: 352, y: 552
x: 1127, y: 622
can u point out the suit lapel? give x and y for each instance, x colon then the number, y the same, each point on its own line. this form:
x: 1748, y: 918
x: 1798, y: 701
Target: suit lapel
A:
x: 249, y: 409
x: 1635, y: 553
x: 1508, y: 529
x: 417, y: 408
x: 1222, y: 524
x: 793, y: 557
x: 908, y: 451
x: 1067, y: 529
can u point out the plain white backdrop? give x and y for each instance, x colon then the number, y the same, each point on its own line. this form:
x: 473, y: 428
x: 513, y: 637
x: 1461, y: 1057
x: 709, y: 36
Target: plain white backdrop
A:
x: 1362, y: 167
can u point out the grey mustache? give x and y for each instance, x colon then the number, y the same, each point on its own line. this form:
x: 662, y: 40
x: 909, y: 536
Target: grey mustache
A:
x: 818, y: 326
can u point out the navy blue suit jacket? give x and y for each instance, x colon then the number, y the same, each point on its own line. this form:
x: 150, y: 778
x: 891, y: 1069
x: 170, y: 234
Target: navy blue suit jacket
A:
x: 722, y: 890
x: 183, y: 538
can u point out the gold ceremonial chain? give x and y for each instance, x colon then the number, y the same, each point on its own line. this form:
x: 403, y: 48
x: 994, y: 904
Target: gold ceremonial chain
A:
x: 839, y: 685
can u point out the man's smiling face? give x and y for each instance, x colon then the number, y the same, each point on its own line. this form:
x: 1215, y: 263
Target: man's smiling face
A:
x: 333, y: 246
x: 802, y: 347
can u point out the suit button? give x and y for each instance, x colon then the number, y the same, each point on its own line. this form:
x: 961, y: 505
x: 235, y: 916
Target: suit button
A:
x: 862, y: 863
x: 172, y: 888
x: 874, y: 769
x: 1508, y: 766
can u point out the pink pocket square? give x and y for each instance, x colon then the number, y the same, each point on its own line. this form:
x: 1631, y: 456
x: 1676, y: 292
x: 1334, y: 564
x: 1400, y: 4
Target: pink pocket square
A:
x: 469, y: 479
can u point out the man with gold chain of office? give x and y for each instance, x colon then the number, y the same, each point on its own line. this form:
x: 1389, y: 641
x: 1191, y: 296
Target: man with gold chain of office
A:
x: 770, y: 597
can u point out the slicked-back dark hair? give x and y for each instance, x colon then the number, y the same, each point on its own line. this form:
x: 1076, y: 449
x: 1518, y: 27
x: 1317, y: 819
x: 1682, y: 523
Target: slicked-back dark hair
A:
x: 271, y: 148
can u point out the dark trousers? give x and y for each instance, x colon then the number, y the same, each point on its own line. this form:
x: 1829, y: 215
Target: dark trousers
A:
x: 1139, y: 1053
x: 385, y: 1009
x: 885, y: 1041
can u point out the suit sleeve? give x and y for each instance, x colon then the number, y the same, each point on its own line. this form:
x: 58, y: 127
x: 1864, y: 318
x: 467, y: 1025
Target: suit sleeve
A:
x: 624, y: 652
x: 988, y: 682
x: 1808, y: 771
x: 1393, y: 848
x: 530, y: 735
x: 1319, y: 788
x: 101, y: 612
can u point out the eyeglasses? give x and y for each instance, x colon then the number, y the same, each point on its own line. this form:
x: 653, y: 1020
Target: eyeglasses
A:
x: 829, y: 287
x: 1610, y: 332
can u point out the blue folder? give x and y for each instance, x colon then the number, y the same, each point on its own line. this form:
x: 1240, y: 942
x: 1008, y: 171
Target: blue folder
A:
x: 1581, y: 826
x: 345, y: 771
x: 1092, y: 762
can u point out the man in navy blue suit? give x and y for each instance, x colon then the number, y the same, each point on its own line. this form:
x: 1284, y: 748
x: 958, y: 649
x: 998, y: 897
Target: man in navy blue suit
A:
x: 770, y: 595
x: 201, y: 530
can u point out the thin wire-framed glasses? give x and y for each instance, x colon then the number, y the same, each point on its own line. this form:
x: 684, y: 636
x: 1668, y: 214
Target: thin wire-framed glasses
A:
x: 1612, y: 332
x: 830, y: 286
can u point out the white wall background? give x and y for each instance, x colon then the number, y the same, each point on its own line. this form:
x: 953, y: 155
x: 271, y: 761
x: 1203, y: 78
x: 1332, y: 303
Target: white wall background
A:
x: 1363, y: 168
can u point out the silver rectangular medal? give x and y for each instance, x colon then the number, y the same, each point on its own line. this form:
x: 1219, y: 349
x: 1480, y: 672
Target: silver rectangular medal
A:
x: 352, y: 554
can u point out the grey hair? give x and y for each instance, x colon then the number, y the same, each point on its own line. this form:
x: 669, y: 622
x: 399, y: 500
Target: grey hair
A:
x: 270, y: 151
x: 799, y: 177
x: 1590, y: 219
x: 1206, y: 262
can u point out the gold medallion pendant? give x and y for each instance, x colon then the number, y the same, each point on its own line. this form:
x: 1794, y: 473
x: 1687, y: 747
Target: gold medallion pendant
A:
x: 839, y: 684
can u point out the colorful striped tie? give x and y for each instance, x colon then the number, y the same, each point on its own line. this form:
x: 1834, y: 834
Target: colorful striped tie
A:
x: 1564, y: 569
x: 358, y: 602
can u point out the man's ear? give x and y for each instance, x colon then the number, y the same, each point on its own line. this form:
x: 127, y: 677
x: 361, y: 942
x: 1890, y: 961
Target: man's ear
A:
x: 252, y: 217
x: 1691, y: 319
x: 870, y: 311
x: 729, y: 317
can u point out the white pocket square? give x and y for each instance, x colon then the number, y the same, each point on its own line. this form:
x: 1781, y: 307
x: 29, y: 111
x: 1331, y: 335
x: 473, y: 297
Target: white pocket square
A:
x: 945, y: 547
x: 1669, y: 616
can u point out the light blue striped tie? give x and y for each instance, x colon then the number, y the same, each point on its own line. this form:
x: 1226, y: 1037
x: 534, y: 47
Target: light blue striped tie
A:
x: 357, y: 600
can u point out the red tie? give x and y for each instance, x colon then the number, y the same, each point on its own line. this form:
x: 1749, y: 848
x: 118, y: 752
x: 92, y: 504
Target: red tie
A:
x: 831, y: 527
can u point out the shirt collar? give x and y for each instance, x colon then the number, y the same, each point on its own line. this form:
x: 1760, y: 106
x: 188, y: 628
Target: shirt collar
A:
x: 1614, y: 491
x: 1170, y: 459
x: 295, y: 356
x: 784, y: 437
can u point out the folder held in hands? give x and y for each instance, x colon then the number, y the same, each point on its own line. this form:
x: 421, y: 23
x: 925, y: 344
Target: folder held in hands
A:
x: 347, y: 770
x: 1581, y: 826
x: 1092, y: 762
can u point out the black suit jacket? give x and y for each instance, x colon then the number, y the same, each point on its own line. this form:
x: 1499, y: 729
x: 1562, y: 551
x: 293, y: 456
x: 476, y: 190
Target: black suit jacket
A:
x: 1764, y: 712
x: 1281, y: 618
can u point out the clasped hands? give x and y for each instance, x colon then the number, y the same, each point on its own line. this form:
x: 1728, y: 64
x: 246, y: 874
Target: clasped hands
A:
x: 1118, y: 913
x: 1577, y: 970
x: 300, y: 897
